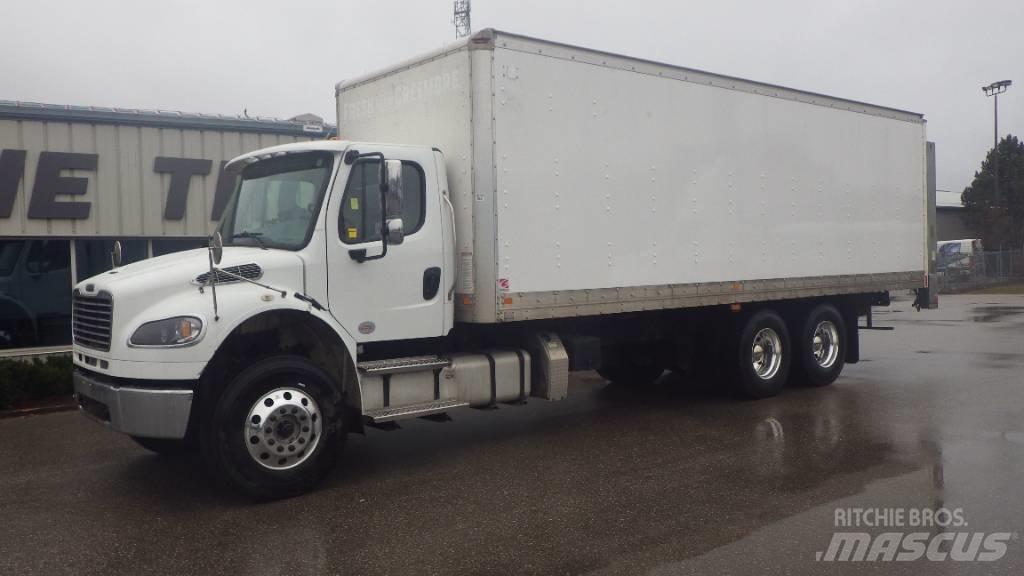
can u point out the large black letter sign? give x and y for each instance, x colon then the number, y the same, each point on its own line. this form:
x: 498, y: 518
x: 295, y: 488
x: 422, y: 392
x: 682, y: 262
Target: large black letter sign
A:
x: 50, y: 184
x: 225, y: 187
x: 181, y: 171
x: 12, y: 165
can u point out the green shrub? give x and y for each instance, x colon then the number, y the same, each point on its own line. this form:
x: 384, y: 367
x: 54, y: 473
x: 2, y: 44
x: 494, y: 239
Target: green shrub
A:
x: 39, y: 378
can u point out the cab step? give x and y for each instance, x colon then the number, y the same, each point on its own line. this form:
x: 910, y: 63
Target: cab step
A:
x: 407, y: 364
x: 413, y: 410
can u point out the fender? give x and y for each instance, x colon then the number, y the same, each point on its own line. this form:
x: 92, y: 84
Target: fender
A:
x: 326, y: 328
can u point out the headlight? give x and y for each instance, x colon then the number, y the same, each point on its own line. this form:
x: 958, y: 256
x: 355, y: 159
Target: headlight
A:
x: 169, y: 332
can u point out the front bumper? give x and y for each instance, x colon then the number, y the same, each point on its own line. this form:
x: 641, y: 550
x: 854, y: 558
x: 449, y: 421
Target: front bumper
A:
x: 136, y: 411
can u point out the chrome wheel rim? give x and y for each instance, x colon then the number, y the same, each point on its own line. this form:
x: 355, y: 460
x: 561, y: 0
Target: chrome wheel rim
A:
x: 825, y: 343
x: 766, y: 353
x: 283, y: 428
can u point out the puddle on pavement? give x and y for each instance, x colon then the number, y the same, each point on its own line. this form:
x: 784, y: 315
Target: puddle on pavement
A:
x: 995, y: 313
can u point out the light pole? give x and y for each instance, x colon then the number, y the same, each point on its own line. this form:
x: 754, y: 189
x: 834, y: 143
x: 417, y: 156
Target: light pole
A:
x: 995, y: 89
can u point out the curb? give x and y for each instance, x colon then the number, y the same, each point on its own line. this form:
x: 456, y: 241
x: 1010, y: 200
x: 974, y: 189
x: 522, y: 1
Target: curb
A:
x: 65, y: 406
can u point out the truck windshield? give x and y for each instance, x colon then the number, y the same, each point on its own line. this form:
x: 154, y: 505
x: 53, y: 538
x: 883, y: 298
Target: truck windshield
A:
x: 277, y: 201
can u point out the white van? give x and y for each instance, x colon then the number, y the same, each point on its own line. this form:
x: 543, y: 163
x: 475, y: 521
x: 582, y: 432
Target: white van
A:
x: 961, y: 257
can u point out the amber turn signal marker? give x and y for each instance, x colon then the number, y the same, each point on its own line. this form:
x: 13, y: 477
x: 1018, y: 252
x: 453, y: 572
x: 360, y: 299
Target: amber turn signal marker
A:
x: 185, y: 328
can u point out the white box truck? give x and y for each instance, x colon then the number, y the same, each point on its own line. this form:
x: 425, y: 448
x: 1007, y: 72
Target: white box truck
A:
x: 495, y: 215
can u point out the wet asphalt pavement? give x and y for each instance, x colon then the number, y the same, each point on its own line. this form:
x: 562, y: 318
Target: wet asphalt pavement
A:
x: 672, y: 480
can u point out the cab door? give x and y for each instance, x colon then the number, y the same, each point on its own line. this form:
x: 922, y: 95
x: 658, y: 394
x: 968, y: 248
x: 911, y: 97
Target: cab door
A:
x: 399, y: 296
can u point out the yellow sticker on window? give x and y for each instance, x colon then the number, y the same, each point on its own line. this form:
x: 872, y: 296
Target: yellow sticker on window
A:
x: 353, y: 203
x: 353, y: 233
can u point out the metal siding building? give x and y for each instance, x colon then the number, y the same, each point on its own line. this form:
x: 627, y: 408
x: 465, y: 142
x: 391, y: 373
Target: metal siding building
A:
x: 949, y: 217
x: 74, y: 179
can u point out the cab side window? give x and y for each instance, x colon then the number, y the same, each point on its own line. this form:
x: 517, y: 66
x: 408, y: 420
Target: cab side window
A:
x: 360, y: 205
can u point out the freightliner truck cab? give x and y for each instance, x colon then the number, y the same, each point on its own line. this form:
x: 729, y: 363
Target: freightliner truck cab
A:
x: 336, y: 266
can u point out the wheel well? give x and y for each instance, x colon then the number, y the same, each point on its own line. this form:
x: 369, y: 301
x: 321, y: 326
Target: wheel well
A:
x: 284, y: 332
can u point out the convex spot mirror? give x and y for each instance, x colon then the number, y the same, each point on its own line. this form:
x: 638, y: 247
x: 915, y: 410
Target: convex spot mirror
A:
x: 396, y: 233
x: 217, y: 247
x: 117, y: 256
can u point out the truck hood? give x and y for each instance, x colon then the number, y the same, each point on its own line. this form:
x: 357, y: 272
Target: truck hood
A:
x: 168, y: 286
x: 165, y: 275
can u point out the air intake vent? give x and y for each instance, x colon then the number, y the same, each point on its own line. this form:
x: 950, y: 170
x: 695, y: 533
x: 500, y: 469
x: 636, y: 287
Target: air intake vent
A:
x: 91, y: 320
x: 247, y: 271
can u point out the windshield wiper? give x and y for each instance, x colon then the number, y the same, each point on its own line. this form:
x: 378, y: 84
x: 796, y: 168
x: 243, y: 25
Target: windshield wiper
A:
x: 254, y: 235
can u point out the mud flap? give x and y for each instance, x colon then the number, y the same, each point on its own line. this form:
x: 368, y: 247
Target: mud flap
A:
x: 852, y: 339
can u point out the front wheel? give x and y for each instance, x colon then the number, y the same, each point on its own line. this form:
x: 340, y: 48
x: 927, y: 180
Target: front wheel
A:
x: 276, y: 430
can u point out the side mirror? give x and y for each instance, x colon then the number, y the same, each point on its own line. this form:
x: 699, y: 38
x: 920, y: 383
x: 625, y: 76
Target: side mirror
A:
x: 217, y: 247
x: 117, y: 255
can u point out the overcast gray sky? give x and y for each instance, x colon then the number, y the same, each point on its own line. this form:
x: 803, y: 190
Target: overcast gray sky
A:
x: 280, y: 58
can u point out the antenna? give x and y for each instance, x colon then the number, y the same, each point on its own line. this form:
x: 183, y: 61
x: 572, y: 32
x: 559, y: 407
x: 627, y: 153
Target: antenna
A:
x: 462, y: 26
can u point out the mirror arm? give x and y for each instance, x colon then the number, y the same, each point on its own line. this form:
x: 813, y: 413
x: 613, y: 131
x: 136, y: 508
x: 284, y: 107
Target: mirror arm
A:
x: 359, y: 255
x: 351, y: 156
x: 212, y: 281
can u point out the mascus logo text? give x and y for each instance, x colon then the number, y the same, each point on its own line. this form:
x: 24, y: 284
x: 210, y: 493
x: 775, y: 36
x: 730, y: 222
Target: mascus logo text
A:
x: 911, y: 546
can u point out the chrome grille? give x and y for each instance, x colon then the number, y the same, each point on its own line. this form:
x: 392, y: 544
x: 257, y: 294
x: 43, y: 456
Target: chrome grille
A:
x: 247, y: 271
x: 91, y: 319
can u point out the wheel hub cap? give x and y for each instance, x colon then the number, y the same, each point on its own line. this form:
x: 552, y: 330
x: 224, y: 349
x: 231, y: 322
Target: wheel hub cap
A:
x: 282, y: 428
x: 825, y: 344
x: 766, y: 353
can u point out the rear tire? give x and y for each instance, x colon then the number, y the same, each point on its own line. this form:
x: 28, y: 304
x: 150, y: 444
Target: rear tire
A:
x: 276, y: 430
x: 821, y: 347
x: 763, y: 353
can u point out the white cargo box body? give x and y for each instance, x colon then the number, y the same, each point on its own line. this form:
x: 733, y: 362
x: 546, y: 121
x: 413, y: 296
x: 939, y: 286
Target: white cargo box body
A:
x: 589, y: 183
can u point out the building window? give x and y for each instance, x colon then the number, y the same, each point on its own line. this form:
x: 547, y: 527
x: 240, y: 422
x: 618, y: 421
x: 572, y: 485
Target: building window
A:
x: 360, y: 206
x: 93, y: 256
x: 35, y: 293
x: 163, y: 246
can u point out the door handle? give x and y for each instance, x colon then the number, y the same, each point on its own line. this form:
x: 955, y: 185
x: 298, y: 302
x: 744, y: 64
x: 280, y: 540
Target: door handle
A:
x: 431, y: 282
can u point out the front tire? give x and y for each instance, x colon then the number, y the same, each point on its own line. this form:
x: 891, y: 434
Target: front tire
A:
x: 276, y: 430
x: 763, y: 354
x: 821, y: 347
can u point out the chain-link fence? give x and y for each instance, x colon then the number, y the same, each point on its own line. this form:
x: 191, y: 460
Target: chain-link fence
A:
x: 964, y: 271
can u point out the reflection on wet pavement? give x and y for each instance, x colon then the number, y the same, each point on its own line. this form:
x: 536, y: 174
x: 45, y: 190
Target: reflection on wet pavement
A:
x: 995, y: 313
